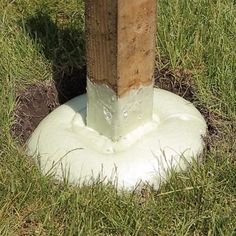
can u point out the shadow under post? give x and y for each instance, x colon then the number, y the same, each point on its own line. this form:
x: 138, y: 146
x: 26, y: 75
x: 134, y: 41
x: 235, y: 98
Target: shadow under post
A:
x: 65, y: 48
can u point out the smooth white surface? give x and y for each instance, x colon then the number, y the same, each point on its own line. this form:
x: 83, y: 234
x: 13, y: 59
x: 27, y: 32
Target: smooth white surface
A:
x: 114, y: 116
x: 65, y: 146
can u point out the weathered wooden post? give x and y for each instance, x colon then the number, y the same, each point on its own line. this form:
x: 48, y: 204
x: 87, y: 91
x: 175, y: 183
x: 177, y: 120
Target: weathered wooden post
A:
x: 123, y: 129
x: 120, y: 61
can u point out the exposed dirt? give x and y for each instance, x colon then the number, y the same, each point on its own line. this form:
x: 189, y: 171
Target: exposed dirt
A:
x: 33, y: 105
x: 37, y: 101
x: 179, y: 82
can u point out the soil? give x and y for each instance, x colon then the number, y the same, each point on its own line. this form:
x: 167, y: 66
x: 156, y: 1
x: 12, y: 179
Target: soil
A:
x: 33, y: 104
x: 37, y: 101
x: 179, y: 82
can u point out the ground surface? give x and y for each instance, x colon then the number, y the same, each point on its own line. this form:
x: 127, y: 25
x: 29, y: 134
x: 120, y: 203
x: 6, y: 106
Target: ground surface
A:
x: 42, y: 55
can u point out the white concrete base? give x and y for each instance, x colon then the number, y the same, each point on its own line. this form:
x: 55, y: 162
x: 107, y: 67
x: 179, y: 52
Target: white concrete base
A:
x: 64, y: 145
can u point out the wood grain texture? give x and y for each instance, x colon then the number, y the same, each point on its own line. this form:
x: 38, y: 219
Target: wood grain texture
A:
x: 120, y: 47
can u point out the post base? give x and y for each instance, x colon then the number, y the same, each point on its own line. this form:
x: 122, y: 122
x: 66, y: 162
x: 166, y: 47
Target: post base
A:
x: 65, y: 146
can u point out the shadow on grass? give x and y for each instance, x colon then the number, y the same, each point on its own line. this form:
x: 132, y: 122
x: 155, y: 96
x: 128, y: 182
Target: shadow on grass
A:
x: 65, y: 48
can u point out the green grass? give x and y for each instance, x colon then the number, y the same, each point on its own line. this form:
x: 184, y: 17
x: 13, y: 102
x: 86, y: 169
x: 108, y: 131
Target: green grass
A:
x: 41, y: 37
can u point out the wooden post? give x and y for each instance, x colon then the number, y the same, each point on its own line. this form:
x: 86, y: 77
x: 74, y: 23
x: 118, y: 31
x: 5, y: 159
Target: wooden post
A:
x: 120, y: 48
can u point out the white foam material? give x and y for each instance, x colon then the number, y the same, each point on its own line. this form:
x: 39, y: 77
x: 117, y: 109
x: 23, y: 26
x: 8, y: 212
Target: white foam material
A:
x: 64, y: 144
